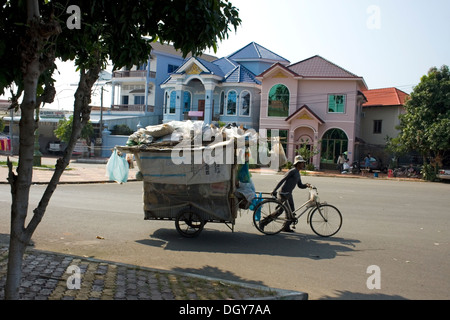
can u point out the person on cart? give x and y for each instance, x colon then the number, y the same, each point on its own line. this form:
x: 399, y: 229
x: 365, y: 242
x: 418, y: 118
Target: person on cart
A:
x: 291, y: 179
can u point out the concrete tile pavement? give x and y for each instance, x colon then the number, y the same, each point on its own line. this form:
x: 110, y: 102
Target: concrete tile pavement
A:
x: 53, y: 276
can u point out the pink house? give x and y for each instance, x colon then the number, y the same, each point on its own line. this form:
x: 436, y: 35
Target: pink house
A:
x: 316, y: 102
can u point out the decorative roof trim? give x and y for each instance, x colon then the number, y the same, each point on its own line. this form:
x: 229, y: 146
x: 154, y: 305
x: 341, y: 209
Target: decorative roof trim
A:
x: 276, y: 66
x: 308, y: 110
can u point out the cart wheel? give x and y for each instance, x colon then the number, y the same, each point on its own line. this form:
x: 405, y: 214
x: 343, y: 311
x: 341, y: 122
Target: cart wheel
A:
x: 189, y: 223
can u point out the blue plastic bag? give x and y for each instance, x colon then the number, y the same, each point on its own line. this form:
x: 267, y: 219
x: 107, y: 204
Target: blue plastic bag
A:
x: 117, y: 168
x: 255, y: 202
x: 244, y: 174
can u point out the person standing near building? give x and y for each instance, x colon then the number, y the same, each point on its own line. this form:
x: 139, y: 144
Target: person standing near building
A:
x: 340, y: 162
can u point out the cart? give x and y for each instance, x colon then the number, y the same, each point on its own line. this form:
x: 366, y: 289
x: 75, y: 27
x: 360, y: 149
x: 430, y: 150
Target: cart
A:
x: 184, y: 185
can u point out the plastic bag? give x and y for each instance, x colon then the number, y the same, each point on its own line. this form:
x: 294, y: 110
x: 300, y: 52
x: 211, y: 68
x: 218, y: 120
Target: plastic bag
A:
x: 247, y: 190
x: 254, y: 204
x: 117, y: 168
x: 160, y: 130
x: 244, y: 174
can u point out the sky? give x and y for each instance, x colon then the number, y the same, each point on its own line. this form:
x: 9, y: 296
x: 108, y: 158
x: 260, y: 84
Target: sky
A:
x: 390, y: 43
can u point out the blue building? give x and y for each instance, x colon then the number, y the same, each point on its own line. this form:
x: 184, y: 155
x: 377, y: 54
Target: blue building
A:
x: 136, y: 94
x: 223, y: 90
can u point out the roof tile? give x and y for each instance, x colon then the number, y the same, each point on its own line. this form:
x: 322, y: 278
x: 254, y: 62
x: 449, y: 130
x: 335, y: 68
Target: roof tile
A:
x: 385, y: 97
x: 256, y: 51
x: 318, y: 67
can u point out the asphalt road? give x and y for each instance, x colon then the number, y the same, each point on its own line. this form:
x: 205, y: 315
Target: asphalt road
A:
x: 400, y: 227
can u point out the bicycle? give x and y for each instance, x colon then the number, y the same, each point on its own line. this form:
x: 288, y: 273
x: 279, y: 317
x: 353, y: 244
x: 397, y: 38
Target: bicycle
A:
x: 271, y: 215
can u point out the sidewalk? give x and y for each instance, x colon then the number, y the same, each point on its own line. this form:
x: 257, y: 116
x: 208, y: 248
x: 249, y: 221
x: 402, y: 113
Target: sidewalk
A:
x: 53, y: 276
x: 79, y: 171
x: 46, y: 274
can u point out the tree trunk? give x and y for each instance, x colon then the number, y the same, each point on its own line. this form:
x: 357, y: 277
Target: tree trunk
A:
x: 34, y: 63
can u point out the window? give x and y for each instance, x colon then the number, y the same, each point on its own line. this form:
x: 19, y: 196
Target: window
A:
x: 245, y: 103
x: 173, y: 98
x: 187, y: 101
x: 124, y: 99
x: 334, y: 142
x: 231, y: 103
x: 171, y: 68
x: 139, y: 99
x: 377, y: 126
x: 336, y: 103
x: 283, y: 134
x: 222, y: 102
x: 278, y: 101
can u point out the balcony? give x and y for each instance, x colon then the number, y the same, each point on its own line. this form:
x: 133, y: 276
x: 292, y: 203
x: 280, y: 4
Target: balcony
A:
x: 131, y: 108
x: 133, y: 74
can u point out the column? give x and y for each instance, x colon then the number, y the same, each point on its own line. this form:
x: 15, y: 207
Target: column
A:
x: 209, y: 98
x: 113, y: 93
x: 179, y: 104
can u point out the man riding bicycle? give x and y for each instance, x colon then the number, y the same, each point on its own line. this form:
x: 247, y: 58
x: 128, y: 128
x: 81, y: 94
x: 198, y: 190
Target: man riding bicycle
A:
x: 291, y: 179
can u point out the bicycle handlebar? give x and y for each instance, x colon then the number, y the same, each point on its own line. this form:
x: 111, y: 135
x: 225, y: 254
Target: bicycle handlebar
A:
x: 272, y: 193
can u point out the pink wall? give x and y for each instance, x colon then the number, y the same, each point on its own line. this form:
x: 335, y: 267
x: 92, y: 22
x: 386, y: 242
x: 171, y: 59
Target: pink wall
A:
x: 314, y: 94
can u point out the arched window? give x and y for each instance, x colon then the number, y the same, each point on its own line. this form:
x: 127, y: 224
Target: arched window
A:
x: 278, y: 101
x: 173, y: 100
x: 231, y: 103
x: 222, y: 102
x: 334, y: 143
x: 244, y: 103
x: 186, y: 101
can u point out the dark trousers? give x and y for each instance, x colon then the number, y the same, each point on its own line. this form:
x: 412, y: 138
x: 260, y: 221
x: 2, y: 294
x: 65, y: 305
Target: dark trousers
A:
x: 288, y: 197
x: 290, y: 200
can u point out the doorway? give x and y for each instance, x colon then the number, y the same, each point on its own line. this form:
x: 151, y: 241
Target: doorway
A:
x: 201, y: 107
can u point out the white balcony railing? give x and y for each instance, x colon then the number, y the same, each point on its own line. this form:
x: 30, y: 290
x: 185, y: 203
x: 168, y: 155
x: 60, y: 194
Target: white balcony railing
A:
x: 133, y: 74
x: 131, y: 108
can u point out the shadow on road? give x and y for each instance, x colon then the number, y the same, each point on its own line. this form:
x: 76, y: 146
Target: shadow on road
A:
x: 283, y: 244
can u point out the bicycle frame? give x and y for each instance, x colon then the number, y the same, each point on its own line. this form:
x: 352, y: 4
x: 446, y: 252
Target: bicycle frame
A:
x: 310, y: 205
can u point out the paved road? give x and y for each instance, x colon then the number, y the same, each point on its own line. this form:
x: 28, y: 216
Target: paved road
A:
x: 401, y: 227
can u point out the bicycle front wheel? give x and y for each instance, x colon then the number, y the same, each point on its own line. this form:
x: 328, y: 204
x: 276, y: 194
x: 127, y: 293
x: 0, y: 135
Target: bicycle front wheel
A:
x: 325, y: 220
x: 270, y: 216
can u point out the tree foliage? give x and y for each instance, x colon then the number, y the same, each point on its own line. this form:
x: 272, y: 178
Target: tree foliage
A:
x: 64, y: 130
x: 425, y: 126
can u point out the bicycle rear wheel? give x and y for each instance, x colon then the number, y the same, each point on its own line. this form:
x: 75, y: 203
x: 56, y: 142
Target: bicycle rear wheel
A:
x: 325, y: 220
x: 270, y: 216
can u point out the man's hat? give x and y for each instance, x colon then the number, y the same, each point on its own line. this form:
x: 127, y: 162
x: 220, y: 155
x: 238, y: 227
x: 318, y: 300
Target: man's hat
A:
x: 298, y: 159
